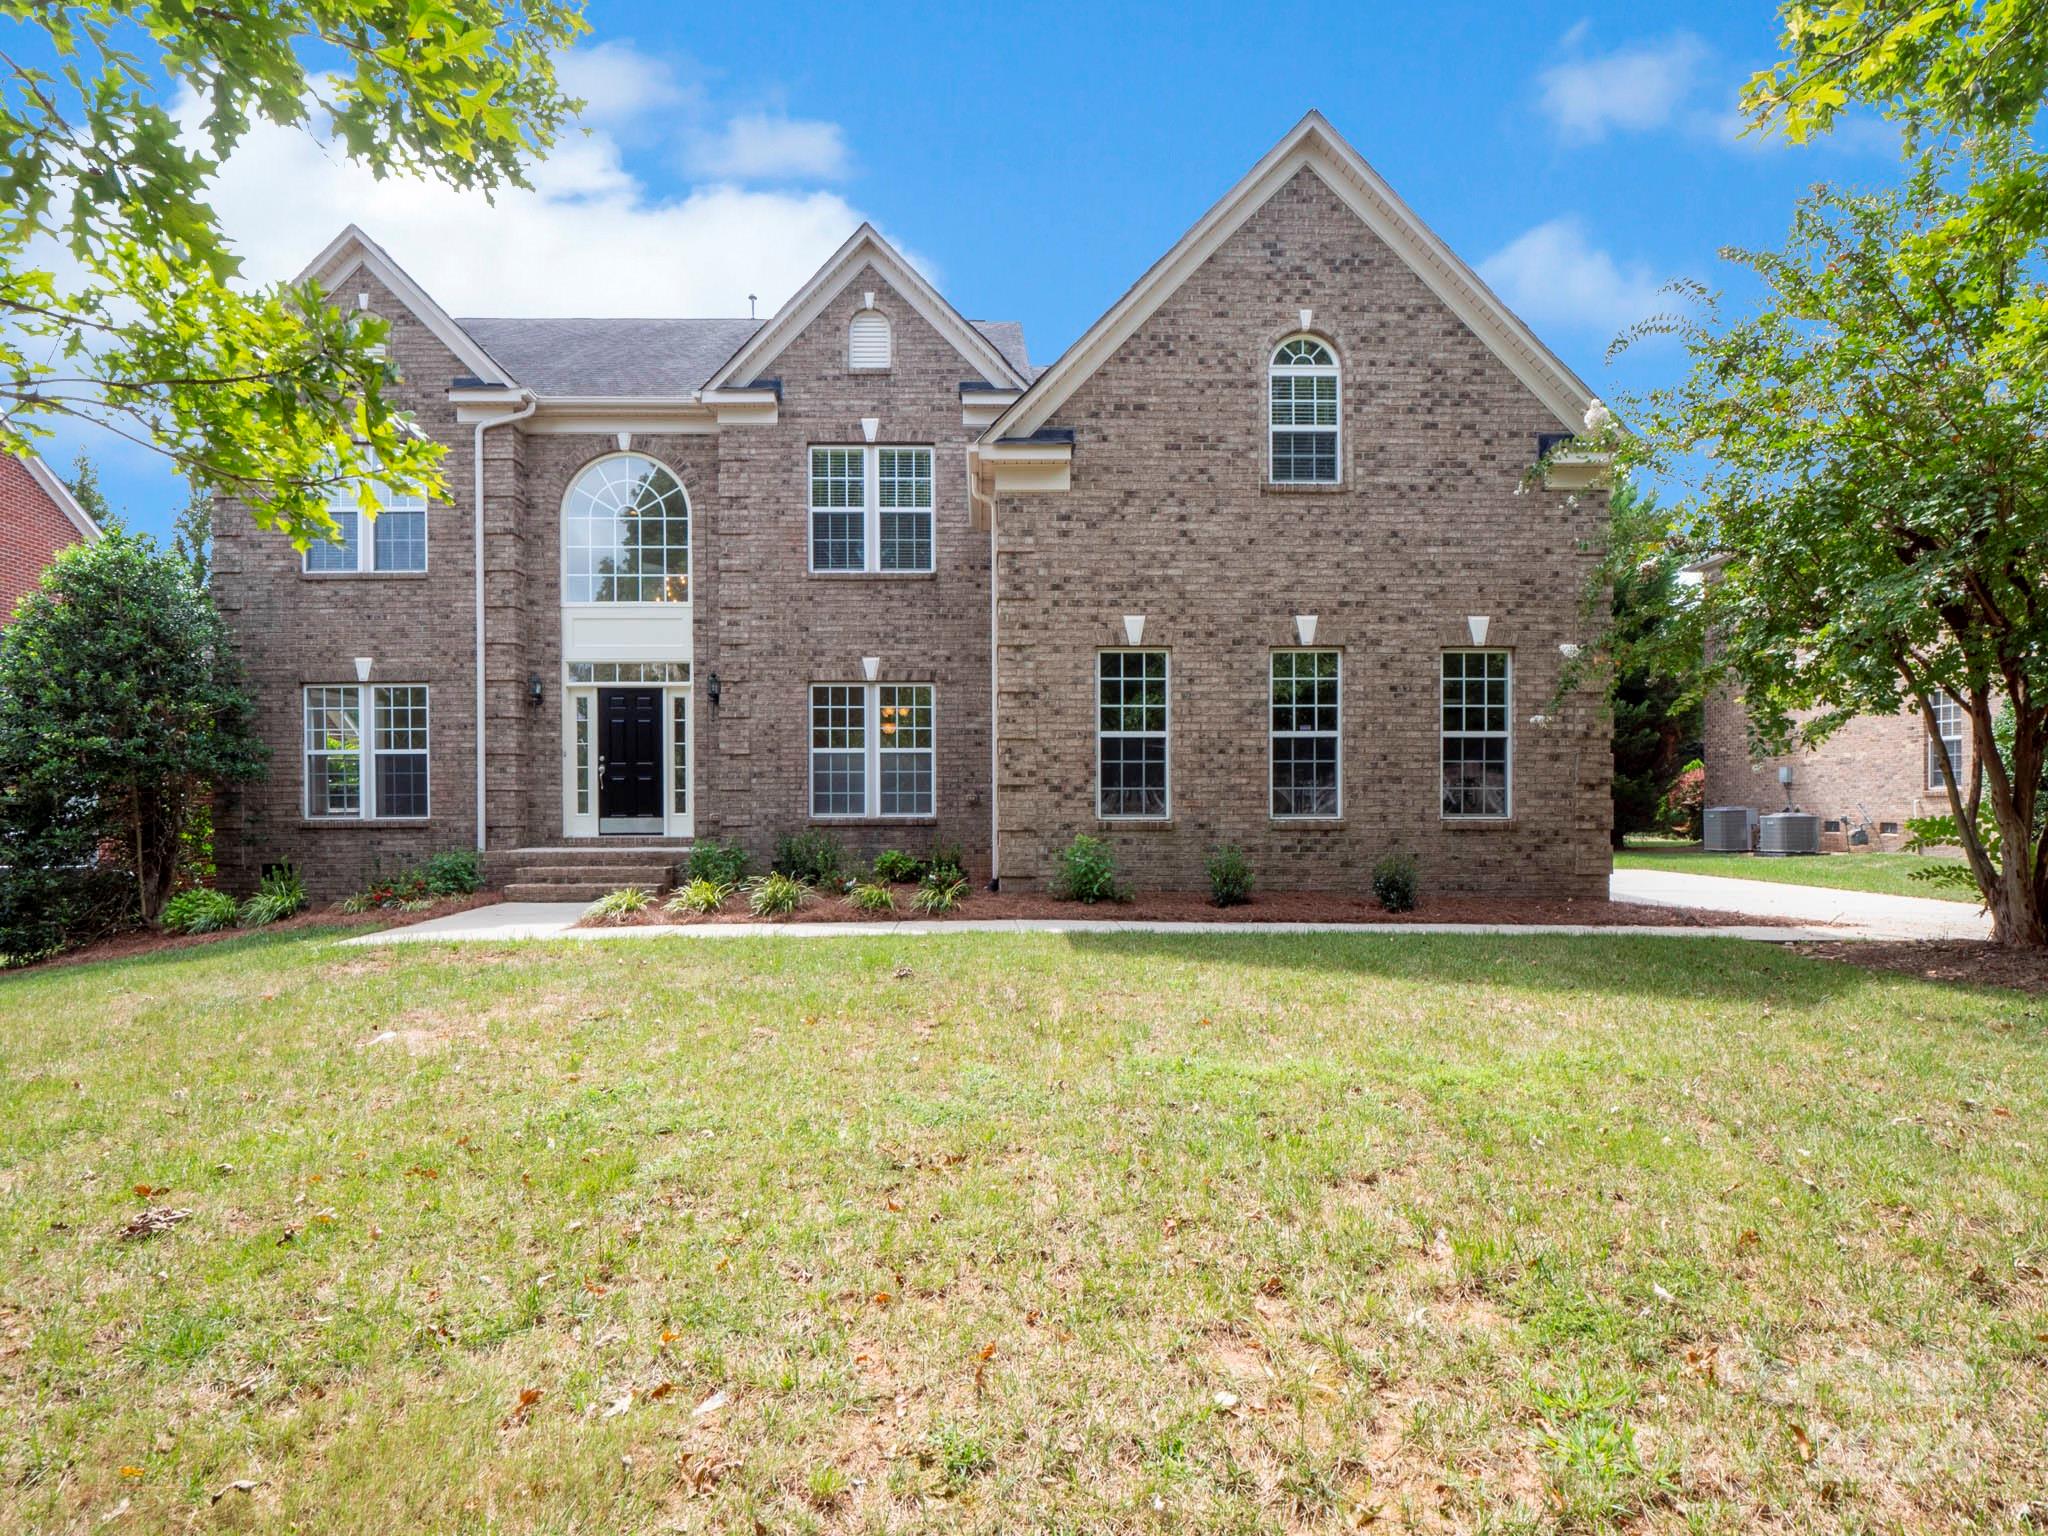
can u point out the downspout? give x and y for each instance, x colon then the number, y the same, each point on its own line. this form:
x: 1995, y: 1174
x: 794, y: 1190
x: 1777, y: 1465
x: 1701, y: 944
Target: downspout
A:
x: 995, y: 827
x: 477, y: 543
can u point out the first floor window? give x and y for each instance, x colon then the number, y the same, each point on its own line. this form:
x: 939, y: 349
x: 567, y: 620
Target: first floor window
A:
x: 873, y: 750
x: 871, y: 509
x: 366, y: 751
x: 1131, y: 769
x: 1948, y: 732
x: 1307, y: 748
x: 395, y: 540
x: 1476, y: 736
x: 679, y: 713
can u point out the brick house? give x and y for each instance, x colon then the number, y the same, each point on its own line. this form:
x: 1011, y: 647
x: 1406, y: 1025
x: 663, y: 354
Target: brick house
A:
x: 1250, y: 562
x: 38, y: 517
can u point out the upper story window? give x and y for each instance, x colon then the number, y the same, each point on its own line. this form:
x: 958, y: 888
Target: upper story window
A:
x: 395, y: 540
x: 1948, y: 721
x: 626, y: 534
x: 871, y: 510
x: 867, y: 341
x: 1302, y: 389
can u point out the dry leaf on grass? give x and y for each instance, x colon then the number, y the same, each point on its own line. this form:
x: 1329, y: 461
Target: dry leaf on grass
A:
x: 157, y: 1219
x: 518, y: 1415
x: 710, y: 1405
x: 239, y: 1485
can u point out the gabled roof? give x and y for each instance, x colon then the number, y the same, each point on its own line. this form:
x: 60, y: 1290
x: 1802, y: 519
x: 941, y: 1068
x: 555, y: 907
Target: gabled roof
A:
x: 1314, y: 145
x: 352, y: 249
x: 611, y: 359
x: 866, y: 247
x: 60, y: 494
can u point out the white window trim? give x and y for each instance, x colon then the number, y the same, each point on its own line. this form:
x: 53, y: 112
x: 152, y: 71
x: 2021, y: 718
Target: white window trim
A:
x: 1165, y: 730
x: 871, y: 511
x: 1443, y: 736
x: 366, y: 752
x: 636, y: 605
x: 1955, y: 757
x: 1272, y: 736
x: 343, y: 499
x: 871, y: 751
x: 1298, y: 371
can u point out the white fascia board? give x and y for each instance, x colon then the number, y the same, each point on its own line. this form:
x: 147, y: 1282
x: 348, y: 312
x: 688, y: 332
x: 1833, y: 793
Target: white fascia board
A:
x: 352, y: 249
x: 46, y: 480
x: 1027, y: 467
x: 589, y: 413
x: 1314, y: 145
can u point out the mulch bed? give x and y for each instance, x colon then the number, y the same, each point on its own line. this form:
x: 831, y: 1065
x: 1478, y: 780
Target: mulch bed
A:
x: 146, y: 941
x: 1973, y: 961
x: 1195, y: 907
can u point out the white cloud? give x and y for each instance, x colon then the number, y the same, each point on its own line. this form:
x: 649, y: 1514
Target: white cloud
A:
x: 1851, y: 135
x: 616, y: 81
x: 1640, y: 86
x: 761, y: 146
x: 1553, y: 275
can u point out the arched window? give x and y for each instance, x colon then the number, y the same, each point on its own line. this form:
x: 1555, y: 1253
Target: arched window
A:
x: 1302, y: 389
x: 626, y: 534
x: 867, y: 341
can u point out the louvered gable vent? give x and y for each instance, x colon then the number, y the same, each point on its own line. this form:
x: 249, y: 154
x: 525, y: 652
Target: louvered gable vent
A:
x: 867, y: 341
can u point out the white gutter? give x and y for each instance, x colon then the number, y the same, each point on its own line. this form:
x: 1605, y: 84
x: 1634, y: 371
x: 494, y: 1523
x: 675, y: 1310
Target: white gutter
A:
x: 995, y: 778
x: 477, y: 545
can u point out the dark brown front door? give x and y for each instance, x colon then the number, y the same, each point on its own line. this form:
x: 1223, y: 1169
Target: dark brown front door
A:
x: 629, y: 759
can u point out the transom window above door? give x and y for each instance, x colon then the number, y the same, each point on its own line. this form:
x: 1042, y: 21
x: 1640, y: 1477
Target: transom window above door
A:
x: 871, y: 510
x: 1304, y: 413
x: 626, y: 534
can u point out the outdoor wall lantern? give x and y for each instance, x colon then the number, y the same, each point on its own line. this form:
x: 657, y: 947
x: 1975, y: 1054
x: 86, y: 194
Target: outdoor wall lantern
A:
x: 533, y: 689
x: 715, y: 690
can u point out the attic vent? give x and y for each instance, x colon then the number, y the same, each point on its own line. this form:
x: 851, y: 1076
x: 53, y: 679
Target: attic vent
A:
x: 867, y: 341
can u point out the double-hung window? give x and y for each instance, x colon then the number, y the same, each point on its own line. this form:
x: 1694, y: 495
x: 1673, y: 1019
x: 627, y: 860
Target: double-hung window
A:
x: 871, y: 509
x: 394, y: 540
x: 366, y: 751
x: 1948, y: 732
x: 1131, y: 761
x: 1477, y: 739
x: 1302, y: 392
x: 873, y: 750
x: 1307, y: 755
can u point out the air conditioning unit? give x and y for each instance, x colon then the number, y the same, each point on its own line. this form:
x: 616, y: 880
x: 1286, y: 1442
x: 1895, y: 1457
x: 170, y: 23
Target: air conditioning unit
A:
x: 1729, y: 828
x: 1789, y: 832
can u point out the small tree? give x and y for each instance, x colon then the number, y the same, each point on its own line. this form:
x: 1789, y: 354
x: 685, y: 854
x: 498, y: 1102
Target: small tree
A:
x: 1653, y: 655
x: 121, y: 710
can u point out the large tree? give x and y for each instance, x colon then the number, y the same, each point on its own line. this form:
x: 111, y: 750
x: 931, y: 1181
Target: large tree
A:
x: 119, y: 303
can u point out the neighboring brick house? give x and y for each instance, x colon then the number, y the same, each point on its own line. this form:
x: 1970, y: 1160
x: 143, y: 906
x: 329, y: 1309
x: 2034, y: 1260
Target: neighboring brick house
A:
x: 38, y: 517
x: 1250, y: 563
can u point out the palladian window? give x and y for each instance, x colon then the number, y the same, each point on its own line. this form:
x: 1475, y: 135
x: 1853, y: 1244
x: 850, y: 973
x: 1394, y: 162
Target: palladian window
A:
x: 626, y: 534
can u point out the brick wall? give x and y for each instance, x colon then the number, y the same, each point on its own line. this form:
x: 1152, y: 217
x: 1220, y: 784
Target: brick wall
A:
x: 1170, y: 517
x: 32, y: 529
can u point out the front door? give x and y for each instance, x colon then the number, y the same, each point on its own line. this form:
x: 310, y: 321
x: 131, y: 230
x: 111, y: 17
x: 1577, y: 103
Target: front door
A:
x: 629, y: 760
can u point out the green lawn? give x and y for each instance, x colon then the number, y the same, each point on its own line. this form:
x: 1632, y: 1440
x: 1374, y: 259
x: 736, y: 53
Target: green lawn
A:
x: 1094, y: 1233
x: 1885, y: 873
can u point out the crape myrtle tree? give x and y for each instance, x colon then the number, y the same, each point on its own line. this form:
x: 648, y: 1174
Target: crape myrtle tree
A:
x: 119, y: 303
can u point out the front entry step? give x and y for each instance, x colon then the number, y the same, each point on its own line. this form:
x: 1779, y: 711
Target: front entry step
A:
x: 586, y: 891
x: 584, y: 873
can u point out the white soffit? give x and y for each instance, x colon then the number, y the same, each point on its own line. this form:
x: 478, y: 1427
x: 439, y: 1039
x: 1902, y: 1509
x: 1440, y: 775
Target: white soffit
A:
x: 352, y: 249
x: 1312, y: 145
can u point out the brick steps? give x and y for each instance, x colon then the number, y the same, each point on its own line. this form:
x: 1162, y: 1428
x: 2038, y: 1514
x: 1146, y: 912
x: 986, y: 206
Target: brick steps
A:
x: 584, y: 891
x: 584, y: 873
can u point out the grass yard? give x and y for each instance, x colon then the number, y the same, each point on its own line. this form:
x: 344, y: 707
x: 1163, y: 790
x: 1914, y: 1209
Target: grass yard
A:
x: 1885, y: 873
x: 1095, y: 1233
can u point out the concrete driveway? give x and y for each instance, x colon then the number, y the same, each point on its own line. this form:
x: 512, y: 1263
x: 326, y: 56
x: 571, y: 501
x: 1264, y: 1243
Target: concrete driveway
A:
x: 1862, y: 914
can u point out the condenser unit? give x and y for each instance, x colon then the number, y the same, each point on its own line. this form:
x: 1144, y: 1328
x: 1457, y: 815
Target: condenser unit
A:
x: 1729, y: 828
x: 1788, y: 832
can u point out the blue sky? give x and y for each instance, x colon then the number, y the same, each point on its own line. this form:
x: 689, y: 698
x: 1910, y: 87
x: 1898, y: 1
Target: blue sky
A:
x: 1036, y: 159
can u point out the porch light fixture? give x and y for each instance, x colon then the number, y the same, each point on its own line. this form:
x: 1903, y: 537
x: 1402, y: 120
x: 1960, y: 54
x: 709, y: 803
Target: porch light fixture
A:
x: 712, y: 684
x: 533, y: 689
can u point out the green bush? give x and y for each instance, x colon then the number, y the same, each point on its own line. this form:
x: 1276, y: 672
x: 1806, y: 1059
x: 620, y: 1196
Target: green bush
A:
x: 43, y: 911
x: 280, y: 894
x: 701, y: 896
x: 458, y: 872
x: 898, y: 867
x: 721, y: 863
x: 941, y: 891
x: 200, y: 910
x: 616, y: 906
x: 812, y: 856
x: 945, y: 857
x: 1087, y: 871
x: 871, y: 896
x: 1394, y: 882
x: 1230, y: 877
x: 776, y: 895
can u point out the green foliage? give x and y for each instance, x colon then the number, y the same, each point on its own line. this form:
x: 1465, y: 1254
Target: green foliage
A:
x: 264, y: 393
x: 1682, y: 811
x: 200, y: 910
x: 456, y: 872
x: 44, y: 910
x: 813, y: 856
x: 871, y: 896
x: 1396, y: 884
x: 279, y: 894
x: 1652, y: 649
x: 941, y: 891
x: 702, y: 895
x: 894, y: 865
x: 121, y: 711
x: 616, y: 906
x: 723, y: 863
x: 1230, y: 876
x: 84, y: 486
x: 947, y: 856
x: 776, y: 895
x: 1086, y: 871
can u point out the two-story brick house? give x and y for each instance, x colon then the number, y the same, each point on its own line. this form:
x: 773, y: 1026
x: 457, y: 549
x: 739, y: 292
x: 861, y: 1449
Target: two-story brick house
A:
x: 1251, y: 562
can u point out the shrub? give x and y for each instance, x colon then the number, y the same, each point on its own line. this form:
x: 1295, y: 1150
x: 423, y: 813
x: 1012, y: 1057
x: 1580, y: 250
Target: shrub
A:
x: 458, y: 872
x: 947, y: 856
x: 1394, y: 882
x: 200, y: 910
x: 720, y: 863
x: 617, y: 906
x: 941, y: 891
x: 1230, y: 877
x: 44, y: 910
x: 700, y: 895
x: 1087, y: 871
x: 871, y: 896
x: 279, y: 895
x: 1685, y: 802
x: 898, y: 867
x: 812, y: 856
x: 776, y: 895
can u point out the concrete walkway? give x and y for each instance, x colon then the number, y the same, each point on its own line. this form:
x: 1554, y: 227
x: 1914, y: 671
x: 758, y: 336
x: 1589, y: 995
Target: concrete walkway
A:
x: 1861, y: 914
